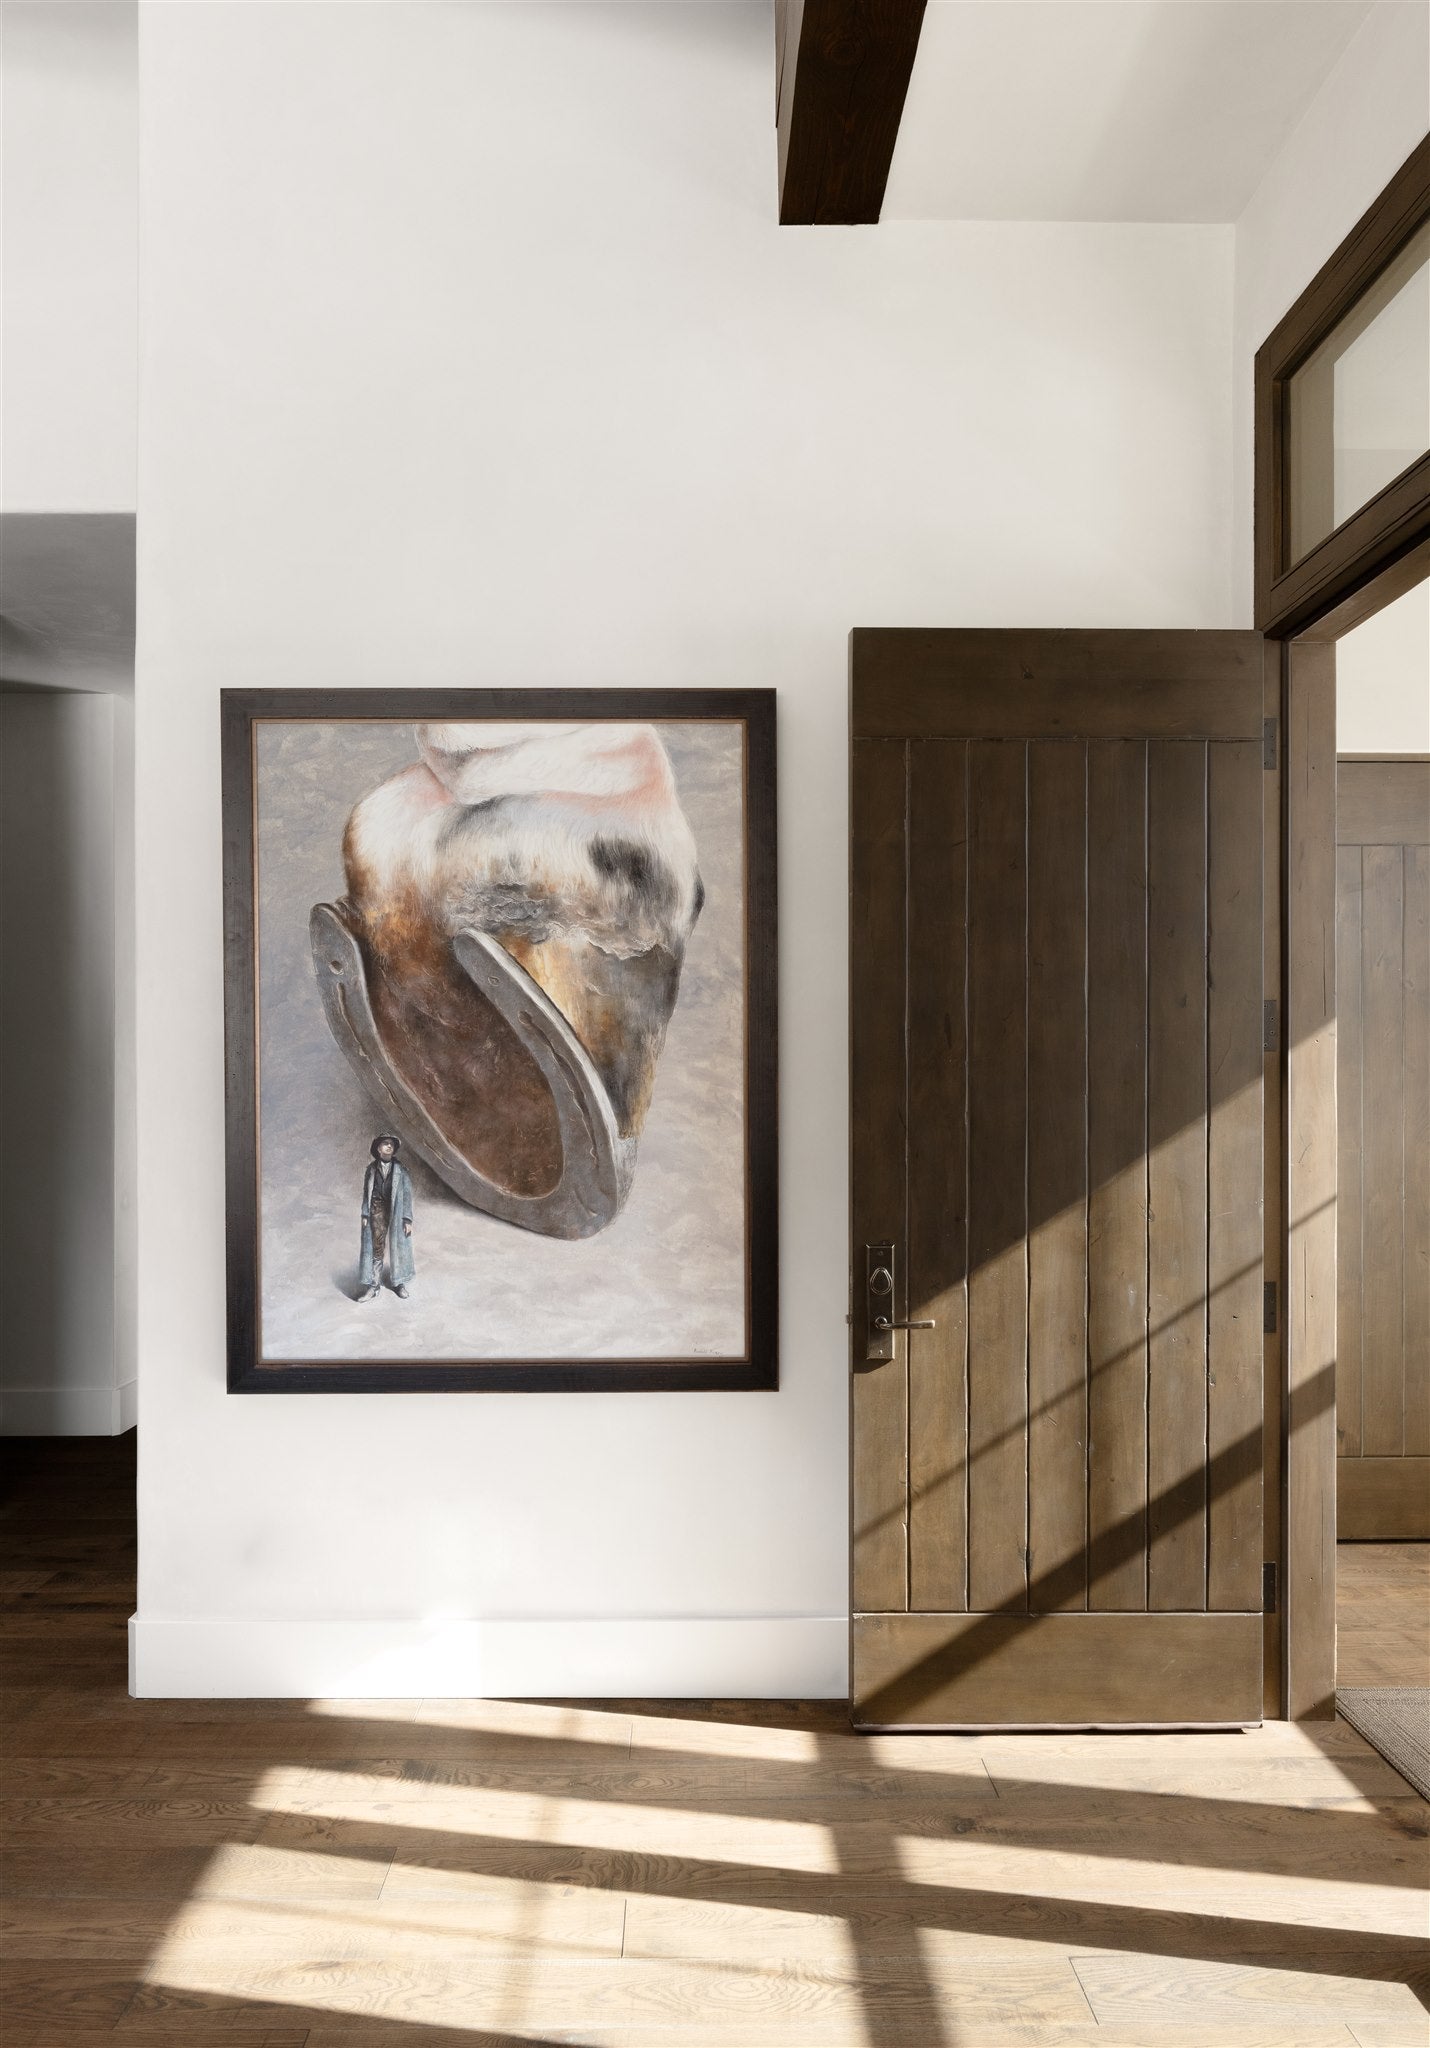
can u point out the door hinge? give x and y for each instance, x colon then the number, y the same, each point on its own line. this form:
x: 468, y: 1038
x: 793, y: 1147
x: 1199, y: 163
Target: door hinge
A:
x: 1268, y: 1309
x: 1268, y: 742
x: 1268, y: 1589
x: 1269, y: 1024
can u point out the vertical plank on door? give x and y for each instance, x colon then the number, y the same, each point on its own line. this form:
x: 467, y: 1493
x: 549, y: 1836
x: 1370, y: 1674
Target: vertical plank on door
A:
x: 938, y: 1176
x: 1057, y: 1175
x: 1177, y: 1175
x: 1349, y: 1057
x: 1117, y: 1174
x: 1383, y: 1150
x: 877, y: 1140
x: 1417, y: 1151
x: 1234, y: 1168
x: 997, y: 1209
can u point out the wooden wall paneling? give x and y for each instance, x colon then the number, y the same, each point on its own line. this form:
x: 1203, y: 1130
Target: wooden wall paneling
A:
x: 1234, y: 1169
x: 1177, y: 1175
x: 879, y: 1393
x: 1057, y: 1175
x: 938, y: 1175
x: 1310, y: 1197
x: 997, y: 1210
x: 1383, y: 802
x: 1383, y: 1150
x: 1383, y: 1500
x: 1349, y: 1060
x: 1417, y: 1152
x: 1273, y: 1463
x: 1117, y: 1174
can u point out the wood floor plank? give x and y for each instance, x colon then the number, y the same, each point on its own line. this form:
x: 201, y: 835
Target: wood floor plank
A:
x: 1381, y: 1657
x: 78, y: 1777
x: 773, y: 2005
x: 1147, y: 1989
x: 1383, y: 1563
x: 174, y: 1823
x: 694, y: 2034
x: 1301, y: 1782
x: 15, y: 1585
x: 504, y: 1920
x: 259, y: 2035
x: 71, y: 1998
x: 1057, y: 1176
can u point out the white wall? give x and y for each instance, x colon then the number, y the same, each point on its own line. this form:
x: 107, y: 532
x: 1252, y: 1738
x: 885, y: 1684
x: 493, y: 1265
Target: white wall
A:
x: 1383, y: 680
x: 70, y: 163
x: 474, y: 356
x: 64, y: 1360
x: 1367, y: 118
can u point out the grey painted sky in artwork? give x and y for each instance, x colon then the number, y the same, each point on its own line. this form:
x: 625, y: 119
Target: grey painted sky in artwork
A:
x: 666, y: 1279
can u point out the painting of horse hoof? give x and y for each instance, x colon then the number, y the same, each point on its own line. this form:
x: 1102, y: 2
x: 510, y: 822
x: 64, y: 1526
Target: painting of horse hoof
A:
x: 506, y: 961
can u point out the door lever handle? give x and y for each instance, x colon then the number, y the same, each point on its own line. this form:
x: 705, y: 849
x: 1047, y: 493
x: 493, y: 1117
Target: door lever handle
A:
x: 880, y: 1295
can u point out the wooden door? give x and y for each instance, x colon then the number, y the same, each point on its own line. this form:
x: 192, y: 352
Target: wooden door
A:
x: 1383, y: 1114
x: 1057, y: 1070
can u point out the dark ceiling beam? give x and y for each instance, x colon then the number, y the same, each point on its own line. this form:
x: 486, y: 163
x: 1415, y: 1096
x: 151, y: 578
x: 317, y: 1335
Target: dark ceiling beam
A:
x: 842, y: 70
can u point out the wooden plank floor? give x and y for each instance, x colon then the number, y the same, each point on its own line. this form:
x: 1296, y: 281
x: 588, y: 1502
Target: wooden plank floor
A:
x: 463, y: 1873
x: 1383, y: 1613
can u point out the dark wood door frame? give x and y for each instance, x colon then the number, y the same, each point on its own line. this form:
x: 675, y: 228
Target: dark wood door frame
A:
x: 1384, y: 548
x: 1372, y: 558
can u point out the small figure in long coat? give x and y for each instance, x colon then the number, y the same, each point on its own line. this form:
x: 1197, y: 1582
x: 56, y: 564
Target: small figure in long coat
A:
x: 386, y: 1222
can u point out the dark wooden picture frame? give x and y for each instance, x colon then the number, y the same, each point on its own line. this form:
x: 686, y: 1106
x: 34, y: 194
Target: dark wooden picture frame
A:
x: 243, y: 711
x: 1389, y: 536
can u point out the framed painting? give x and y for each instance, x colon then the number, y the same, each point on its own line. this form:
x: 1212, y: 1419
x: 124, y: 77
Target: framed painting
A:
x: 500, y: 1005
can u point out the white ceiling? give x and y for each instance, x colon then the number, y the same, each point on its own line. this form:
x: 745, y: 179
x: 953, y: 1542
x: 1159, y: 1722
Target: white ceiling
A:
x: 1140, y: 110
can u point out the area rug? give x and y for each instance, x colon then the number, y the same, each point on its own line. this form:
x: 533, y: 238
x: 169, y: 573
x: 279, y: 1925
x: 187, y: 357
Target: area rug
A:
x: 1395, y: 1719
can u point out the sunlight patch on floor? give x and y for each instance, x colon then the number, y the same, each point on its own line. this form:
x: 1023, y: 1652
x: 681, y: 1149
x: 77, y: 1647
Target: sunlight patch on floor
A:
x: 1106, y: 1875
x: 543, y: 1722
x: 487, y: 1813
x: 512, y: 1919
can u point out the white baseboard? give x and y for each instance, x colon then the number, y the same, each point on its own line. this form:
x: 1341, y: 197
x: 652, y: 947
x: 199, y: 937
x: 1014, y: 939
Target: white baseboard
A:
x: 802, y: 1656
x: 61, y: 1411
x: 128, y: 1405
